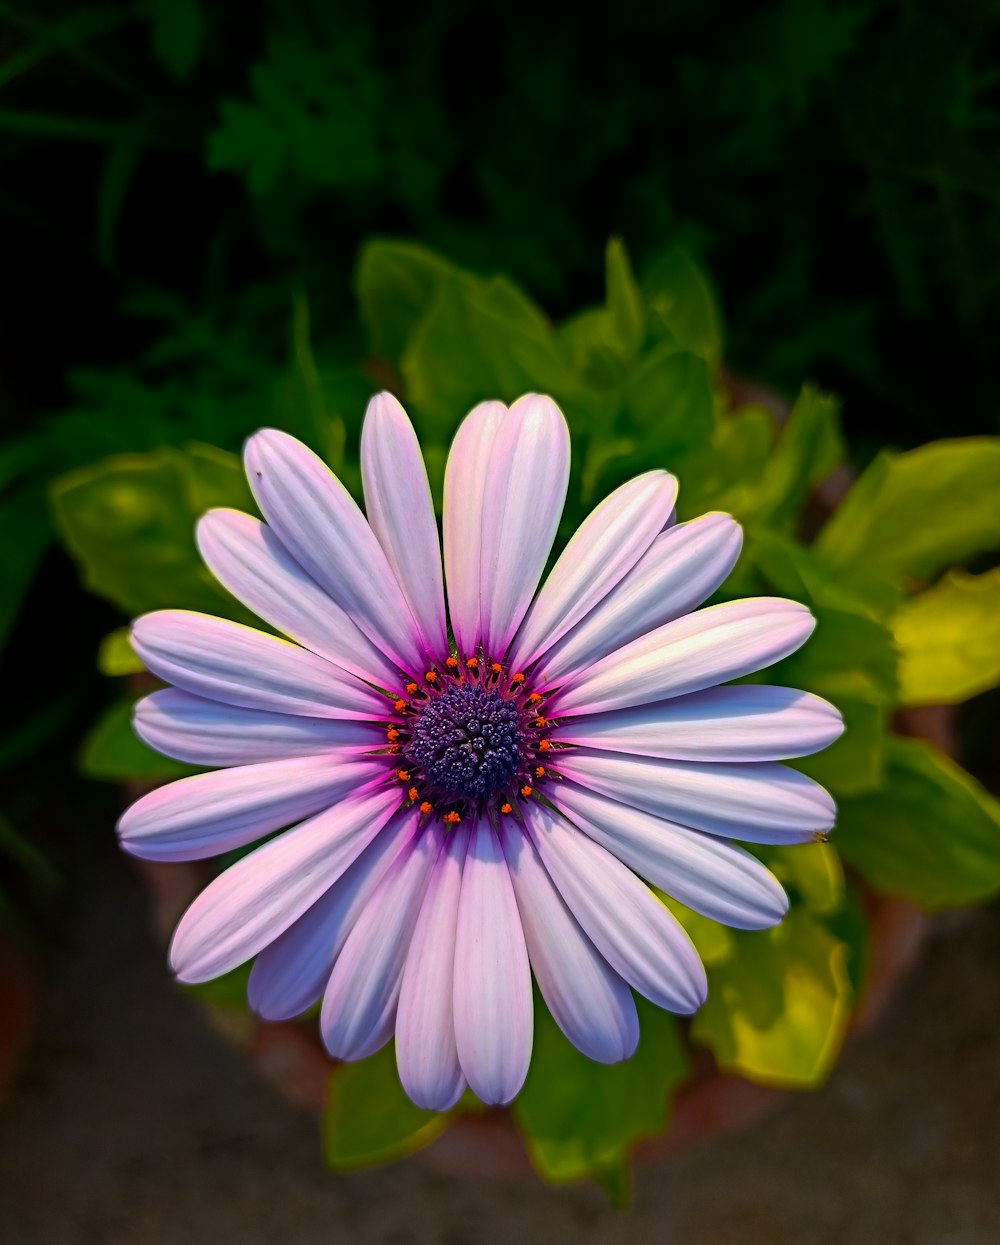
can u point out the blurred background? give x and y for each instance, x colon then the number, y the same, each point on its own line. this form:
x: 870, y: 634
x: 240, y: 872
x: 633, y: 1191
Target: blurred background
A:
x: 186, y: 191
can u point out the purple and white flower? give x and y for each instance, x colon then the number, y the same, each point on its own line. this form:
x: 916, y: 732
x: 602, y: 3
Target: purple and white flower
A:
x: 477, y: 788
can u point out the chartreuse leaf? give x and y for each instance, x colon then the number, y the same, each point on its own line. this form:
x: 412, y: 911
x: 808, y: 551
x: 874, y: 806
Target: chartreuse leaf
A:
x: 580, y: 1118
x: 111, y: 750
x: 778, y: 1009
x: 949, y: 640
x: 368, y: 1118
x: 116, y: 656
x: 625, y: 304
x: 812, y: 871
x: 913, y: 514
x: 713, y: 942
x: 480, y: 338
x: 931, y: 834
x: 395, y: 284
x: 682, y: 307
x: 847, y: 658
x: 797, y: 572
x: 808, y: 448
x: 129, y: 523
x: 591, y: 346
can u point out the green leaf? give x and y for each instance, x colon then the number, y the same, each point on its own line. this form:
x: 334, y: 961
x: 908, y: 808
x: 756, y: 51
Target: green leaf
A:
x: 112, y: 751
x: 797, y: 572
x: 778, y: 1010
x: 848, y: 657
x: 395, y: 284
x: 116, y: 656
x: 808, y: 448
x: 580, y: 1118
x: 812, y: 871
x: 23, y: 517
x: 177, y: 31
x: 932, y: 834
x: 682, y: 307
x: 481, y: 338
x: 914, y: 514
x: 713, y: 942
x: 949, y: 640
x: 368, y: 1118
x: 725, y: 472
x: 668, y: 400
x: 626, y: 308
x: 856, y: 761
x: 229, y: 990
x: 590, y: 344
x: 129, y: 523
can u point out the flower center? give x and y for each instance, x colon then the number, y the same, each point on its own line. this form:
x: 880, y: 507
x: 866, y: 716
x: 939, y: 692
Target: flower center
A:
x: 467, y: 742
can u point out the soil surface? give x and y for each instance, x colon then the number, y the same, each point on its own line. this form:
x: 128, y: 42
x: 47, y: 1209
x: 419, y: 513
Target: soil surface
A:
x: 134, y: 1124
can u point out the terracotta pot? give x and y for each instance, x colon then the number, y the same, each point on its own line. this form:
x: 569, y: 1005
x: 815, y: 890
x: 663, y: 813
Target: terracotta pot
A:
x: 20, y: 1002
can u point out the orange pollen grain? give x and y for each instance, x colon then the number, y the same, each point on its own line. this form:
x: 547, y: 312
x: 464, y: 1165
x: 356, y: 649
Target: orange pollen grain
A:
x: 473, y: 663
x: 544, y: 745
x: 540, y: 721
x: 411, y: 688
x: 526, y: 790
x: 403, y: 775
x: 431, y: 676
x: 452, y: 819
x: 505, y: 808
x: 451, y: 662
x: 534, y: 698
x: 399, y: 705
x: 392, y: 733
x: 496, y: 667
x: 413, y: 793
x: 426, y: 807
x: 539, y: 771
x: 517, y: 678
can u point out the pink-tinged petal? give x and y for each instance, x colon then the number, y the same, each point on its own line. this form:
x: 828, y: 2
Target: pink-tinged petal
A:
x: 493, y: 1007
x: 692, y: 653
x: 606, y: 546
x: 359, y: 1005
x: 207, y: 814
x: 226, y: 661
x: 743, y: 723
x: 321, y: 526
x: 763, y: 803
x: 205, y: 732
x: 291, y: 973
x: 707, y: 874
x: 587, y: 998
x: 249, y: 560
x: 425, y: 1022
x: 682, y: 568
x: 628, y: 925
x: 469, y: 464
x: 525, y: 491
x: 401, y: 513
x: 259, y: 897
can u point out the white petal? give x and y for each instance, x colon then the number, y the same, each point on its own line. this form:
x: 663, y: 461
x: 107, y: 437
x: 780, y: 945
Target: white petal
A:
x: 469, y: 463
x: 525, y: 491
x: 682, y: 568
x: 425, y: 1022
x: 743, y: 723
x: 206, y: 732
x: 606, y: 546
x: 248, y: 559
x: 257, y: 898
x: 291, y: 973
x: 493, y: 1007
x: 401, y: 514
x: 707, y: 874
x: 631, y: 928
x: 764, y: 803
x: 226, y: 661
x: 587, y: 998
x: 321, y: 526
x: 359, y: 1005
x: 692, y: 653
x: 207, y: 814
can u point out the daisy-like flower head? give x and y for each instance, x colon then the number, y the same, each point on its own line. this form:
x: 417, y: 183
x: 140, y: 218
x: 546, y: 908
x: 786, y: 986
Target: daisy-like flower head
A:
x: 478, y: 788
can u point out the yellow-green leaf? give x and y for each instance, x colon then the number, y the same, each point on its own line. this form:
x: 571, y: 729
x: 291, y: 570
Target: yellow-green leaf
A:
x: 116, y: 656
x: 624, y: 299
x: 778, y: 1010
x: 949, y: 640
